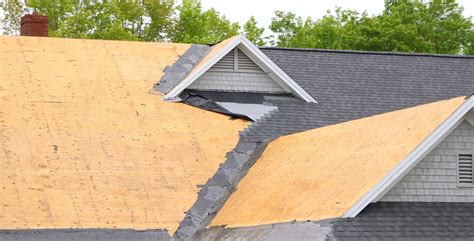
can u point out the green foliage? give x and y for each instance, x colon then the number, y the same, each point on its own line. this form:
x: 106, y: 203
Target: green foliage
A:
x: 56, y: 10
x: 160, y: 14
x: 13, y: 11
x: 469, y: 46
x: 406, y: 26
x: 436, y: 26
x: 126, y: 20
x: 253, y: 32
x: 285, y: 25
x: 193, y: 25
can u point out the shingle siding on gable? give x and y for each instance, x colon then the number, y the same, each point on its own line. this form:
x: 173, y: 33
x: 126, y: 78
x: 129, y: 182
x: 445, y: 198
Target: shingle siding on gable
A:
x: 434, y: 179
x: 223, y: 77
x: 235, y: 81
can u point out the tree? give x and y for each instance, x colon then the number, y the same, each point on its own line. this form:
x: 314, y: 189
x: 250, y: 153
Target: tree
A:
x: 13, y: 11
x: 103, y: 20
x: 127, y: 20
x: 469, y: 45
x: 193, y: 25
x: 253, y: 32
x: 437, y: 26
x: 160, y: 13
x: 285, y: 25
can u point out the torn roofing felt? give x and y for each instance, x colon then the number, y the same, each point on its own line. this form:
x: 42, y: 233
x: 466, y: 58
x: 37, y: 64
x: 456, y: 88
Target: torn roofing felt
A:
x: 206, y: 104
x: 87, y: 145
x: 312, y: 165
x: 289, y: 231
x: 230, y: 106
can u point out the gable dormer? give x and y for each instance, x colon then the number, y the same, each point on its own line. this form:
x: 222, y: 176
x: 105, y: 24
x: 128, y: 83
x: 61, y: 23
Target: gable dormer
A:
x: 236, y: 72
x: 237, y: 65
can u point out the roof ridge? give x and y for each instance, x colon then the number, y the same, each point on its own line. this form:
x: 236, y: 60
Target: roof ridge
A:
x: 369, y: 52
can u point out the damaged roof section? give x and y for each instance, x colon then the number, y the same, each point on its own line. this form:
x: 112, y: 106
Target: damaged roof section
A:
x: 248, y: 106
x: 215, y: 72
x: 174, y: 74
x: 86, y: 144
x: 313, y: 165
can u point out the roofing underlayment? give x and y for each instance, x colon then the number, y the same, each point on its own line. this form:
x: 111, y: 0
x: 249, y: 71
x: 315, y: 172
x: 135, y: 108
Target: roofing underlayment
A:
x: 321, y: 173
x: 86, y: 143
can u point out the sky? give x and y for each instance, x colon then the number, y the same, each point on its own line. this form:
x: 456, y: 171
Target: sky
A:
x: 241, y: 10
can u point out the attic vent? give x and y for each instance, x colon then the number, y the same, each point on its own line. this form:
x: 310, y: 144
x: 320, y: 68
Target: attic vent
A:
x: 465, y: 169
x: 236, y: 61
x: 245, y: 63
x: 226, y: 63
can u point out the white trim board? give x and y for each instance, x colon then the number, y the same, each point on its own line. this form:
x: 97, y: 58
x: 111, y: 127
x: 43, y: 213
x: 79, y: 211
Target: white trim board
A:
x: 406, y: 165
x: 256, y: 55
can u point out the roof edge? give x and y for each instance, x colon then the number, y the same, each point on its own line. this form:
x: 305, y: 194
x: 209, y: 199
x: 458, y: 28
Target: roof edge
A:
x: 369, y: 52
x: 415, y: 156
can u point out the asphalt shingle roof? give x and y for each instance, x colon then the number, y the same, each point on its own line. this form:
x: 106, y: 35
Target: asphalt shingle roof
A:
x: 409, y: 220
x: 350, y: 85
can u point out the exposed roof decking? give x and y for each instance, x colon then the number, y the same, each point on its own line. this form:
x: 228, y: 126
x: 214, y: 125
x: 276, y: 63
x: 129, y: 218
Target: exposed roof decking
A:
x: 321, y: 173
x: 84, y: 143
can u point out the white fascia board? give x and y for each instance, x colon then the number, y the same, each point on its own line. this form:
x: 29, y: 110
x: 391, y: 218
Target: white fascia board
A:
x: 257, y: 56
x: 277, y: 71
x: 412, y: 159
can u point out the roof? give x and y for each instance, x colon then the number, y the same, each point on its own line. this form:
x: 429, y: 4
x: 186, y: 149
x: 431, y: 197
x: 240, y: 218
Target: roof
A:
x: 353, y: 84
x: 408, y: 221
x: 86, y: 143
x: 333, y: 166
x: 366, y: 52
x: 348, y: 86
x: 379, y: 221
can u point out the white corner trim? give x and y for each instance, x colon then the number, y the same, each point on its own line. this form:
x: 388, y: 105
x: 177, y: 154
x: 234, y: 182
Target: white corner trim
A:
x: 257, y: 56
x: 412, y: 159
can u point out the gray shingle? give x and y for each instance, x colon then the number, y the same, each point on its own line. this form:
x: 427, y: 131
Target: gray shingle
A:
x: 350, y: 85
x: 411, y: 220
x: 84, y: 235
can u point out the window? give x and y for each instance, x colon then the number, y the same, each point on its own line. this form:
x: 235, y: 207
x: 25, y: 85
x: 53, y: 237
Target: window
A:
x: 465, y: 170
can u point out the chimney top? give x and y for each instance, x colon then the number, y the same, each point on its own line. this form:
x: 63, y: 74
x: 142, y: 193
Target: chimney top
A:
x: 34, y: 25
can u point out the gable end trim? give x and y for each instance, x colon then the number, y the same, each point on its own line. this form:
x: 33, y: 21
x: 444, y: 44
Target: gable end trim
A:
x: 407, y: 164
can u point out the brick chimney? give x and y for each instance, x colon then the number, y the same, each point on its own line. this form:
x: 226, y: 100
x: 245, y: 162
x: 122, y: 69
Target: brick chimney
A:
x: 34, y: 25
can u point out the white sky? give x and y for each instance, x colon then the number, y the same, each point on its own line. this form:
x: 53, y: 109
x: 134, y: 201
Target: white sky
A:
x: 241, y: 10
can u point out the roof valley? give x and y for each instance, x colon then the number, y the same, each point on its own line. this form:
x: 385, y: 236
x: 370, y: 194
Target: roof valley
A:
x: 217, y: 190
